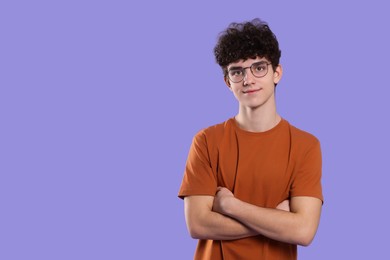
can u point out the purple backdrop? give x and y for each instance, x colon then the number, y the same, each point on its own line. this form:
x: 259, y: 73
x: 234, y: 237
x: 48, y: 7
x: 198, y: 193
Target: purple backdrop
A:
x: 99, y: 101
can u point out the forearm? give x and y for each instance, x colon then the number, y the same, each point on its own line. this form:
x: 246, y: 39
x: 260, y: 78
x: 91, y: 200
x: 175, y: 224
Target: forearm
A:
x: 207, y: 224
x: 219, y: 227
x: 276, y: 224
x: 289, y: 227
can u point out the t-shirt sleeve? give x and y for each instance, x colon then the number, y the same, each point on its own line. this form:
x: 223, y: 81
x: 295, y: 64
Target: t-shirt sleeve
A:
x: 199, y: 178
x: 307, y: 177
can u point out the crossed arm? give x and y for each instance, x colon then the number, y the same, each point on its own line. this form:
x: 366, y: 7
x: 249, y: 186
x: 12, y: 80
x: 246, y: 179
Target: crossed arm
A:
x: 225, y: 217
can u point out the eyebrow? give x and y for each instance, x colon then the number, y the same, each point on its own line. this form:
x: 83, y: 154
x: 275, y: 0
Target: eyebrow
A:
x: 238, y: 67
x: 235, y: 68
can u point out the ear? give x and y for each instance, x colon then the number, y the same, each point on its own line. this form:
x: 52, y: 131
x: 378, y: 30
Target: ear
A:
x: 227, y: 82
x: 278, y: 73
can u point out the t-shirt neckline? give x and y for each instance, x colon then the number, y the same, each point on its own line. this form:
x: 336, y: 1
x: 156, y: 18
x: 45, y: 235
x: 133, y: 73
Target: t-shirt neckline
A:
x: 269, y: 131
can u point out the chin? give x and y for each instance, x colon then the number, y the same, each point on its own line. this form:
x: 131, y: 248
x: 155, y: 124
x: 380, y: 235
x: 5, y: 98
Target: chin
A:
x: 253, y: 106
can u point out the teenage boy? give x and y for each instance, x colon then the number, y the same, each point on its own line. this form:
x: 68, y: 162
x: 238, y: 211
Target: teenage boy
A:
x: 252, y: 184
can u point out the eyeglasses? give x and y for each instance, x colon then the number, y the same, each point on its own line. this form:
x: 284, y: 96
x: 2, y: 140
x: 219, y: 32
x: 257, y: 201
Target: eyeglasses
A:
x: 258, y: 69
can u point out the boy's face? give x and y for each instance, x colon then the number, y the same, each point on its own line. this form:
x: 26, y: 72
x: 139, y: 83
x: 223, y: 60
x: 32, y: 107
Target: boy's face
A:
x: 257, y: 86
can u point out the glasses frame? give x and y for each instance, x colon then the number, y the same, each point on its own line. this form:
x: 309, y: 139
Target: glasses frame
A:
x: 243, y: 70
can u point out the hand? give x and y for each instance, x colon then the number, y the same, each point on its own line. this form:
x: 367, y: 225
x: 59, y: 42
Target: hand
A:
x: 222, y: 199
x: 284, y: 205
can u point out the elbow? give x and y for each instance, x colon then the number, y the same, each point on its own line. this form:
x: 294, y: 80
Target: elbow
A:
x: 196, y: 232
x: 193, y: 232
x: 305, y: 238
x: 305, y: 241
x: 195, y: 235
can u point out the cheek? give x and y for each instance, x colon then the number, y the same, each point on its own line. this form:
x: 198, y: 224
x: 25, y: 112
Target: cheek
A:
x: 239, y: 96
x: 236, y: 92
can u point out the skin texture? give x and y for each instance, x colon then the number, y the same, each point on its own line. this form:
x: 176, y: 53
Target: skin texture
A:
x: 225, y: 217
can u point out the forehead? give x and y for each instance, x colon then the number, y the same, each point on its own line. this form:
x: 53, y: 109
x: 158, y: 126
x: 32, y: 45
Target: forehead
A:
x: 246, y: 63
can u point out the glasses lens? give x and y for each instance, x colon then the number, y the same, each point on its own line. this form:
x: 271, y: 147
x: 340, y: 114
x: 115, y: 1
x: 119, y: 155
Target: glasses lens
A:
x: 259, y: 69
x: 236, y: 75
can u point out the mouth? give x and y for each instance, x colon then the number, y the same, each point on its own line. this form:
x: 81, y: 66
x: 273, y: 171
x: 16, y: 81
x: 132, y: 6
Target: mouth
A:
x: 250, y: 91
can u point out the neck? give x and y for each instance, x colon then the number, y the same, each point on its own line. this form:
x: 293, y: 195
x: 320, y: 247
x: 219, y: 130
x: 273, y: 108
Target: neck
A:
x: 257, y: 119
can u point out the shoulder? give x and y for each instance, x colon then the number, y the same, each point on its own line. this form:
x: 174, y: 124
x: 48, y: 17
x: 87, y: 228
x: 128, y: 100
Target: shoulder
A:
x: 215, y: 130
x: 305, y: 148
x: 214, y: 133
x: 302, y: 139
x: 302, y: 134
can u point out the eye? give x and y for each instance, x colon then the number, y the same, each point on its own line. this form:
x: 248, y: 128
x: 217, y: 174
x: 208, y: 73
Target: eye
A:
x: 260, y: 67
x: 235, y: 73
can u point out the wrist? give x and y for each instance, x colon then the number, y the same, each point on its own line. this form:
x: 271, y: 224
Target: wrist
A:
x: 230, y: 206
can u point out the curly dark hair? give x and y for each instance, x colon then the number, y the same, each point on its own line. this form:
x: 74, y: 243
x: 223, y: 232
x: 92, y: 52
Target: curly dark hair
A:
x: 247, y: 40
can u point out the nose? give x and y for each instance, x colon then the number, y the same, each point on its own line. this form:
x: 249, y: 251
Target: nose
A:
x: 248, y: 76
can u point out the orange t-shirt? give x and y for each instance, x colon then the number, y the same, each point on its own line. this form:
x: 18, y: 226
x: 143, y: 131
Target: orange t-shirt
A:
x: 262, y: 169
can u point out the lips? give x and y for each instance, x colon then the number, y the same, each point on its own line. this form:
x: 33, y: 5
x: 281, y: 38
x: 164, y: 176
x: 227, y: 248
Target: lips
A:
x: 249, y: 91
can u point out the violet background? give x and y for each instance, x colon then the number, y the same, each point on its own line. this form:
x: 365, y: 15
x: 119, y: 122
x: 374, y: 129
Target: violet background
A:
x: 99, y: 101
